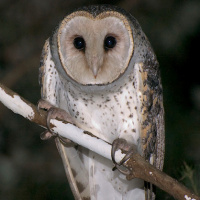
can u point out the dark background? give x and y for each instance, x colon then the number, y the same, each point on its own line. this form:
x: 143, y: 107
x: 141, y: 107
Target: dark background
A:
x: 31, y: 168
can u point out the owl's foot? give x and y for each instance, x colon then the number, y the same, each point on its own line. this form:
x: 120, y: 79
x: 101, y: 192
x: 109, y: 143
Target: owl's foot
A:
x: 125, y: 147
x: 53, y: 113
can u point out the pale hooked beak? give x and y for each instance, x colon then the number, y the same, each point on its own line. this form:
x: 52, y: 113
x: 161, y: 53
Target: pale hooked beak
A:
x: 95, y: 70
x: 95, y: 63
x: 94, y: 56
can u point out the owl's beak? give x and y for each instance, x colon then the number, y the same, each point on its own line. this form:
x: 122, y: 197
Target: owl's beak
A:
x: 95, y: 70
x: 95, y: 63
x: 94, y: 56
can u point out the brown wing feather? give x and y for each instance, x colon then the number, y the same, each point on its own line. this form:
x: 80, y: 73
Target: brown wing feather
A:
x: 152, y: 129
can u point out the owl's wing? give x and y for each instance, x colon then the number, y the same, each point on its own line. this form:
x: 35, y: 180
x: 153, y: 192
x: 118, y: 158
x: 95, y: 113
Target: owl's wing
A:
x: 152, y: 114
x: 52, y: 90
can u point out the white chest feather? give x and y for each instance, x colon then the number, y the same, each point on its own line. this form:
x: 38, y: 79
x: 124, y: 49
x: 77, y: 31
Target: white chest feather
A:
x: 109, y: 115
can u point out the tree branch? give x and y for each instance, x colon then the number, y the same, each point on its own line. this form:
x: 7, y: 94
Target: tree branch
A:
x: 143, y: 170
x: 29, y: 111
x: 137, y: 165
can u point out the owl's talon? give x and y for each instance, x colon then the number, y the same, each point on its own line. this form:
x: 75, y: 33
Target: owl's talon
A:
x: 43, y: 104
x: 53, y: 113
x: 125, y: 172
x: 46, y: 135
x: 123, y: 145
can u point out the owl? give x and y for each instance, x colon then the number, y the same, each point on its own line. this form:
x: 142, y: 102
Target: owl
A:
x: 100, y: 68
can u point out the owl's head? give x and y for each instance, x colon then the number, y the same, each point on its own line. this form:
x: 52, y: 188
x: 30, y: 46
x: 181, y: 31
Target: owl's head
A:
x: 94, y: 45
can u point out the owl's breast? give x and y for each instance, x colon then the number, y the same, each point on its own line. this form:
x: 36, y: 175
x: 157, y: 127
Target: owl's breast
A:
x: 108, y: 116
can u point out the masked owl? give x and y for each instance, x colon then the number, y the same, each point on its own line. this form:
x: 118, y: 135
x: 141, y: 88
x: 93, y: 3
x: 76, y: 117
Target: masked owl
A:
x: 100, y: 68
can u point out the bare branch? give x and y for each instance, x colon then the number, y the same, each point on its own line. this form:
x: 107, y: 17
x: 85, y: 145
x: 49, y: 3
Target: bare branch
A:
x: 84, y: 138
x: 142, y: 169
x: 138, y: 167
x: 21, y: 106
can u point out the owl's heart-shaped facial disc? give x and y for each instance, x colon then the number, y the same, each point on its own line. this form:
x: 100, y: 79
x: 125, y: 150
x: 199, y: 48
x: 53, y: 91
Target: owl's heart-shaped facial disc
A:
x: 95, y: 49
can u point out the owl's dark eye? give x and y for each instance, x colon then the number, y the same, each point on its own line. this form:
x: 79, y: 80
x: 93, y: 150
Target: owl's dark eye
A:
x: 110, y: 42
x: 79, y: 43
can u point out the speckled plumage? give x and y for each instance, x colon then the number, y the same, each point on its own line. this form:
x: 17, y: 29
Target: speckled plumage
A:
x: 127, y: 105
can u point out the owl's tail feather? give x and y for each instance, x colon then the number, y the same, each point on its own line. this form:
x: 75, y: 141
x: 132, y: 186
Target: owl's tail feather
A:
x: 150, y: 191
